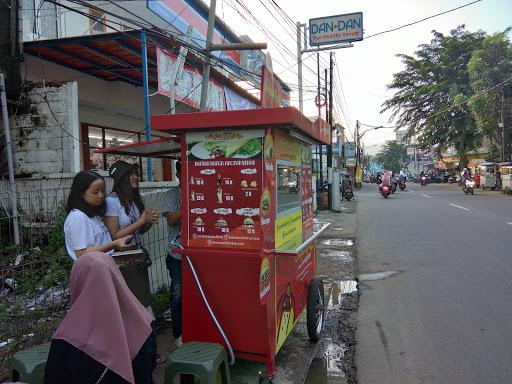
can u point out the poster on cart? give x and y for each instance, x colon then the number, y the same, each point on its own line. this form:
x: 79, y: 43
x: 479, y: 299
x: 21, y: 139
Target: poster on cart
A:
x: 223, y: 187
x: 293, y: 275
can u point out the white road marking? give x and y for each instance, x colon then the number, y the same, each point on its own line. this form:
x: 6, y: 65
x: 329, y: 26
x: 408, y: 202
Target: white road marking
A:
x: 458, y: 206
x: 410, y: 190
x: 426, y: 196
x: 509, y: 223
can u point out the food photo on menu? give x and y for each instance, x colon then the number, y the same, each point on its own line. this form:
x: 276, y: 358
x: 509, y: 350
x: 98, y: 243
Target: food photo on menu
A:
x: 236, y: 149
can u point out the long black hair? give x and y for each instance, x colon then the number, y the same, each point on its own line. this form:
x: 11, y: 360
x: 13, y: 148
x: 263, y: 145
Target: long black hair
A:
x: 81, y: 182
x: 127, y: 194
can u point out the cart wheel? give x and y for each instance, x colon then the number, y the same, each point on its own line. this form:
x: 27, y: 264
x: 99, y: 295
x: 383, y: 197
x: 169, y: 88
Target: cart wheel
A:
x: 315, y: 311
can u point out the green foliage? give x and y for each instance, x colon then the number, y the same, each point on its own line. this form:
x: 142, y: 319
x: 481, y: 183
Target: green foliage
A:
x: 393, y: 156
x: 490, y: 71
x: 432, y: 93
x: 161, y: 299
x: 56, y: 240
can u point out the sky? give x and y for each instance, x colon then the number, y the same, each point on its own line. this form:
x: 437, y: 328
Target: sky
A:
x: 362, y: 72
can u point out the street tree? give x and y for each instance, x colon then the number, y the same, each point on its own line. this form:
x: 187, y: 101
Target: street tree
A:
x: 392, y: 156
x: 432, y: 93
x: 490, y: 72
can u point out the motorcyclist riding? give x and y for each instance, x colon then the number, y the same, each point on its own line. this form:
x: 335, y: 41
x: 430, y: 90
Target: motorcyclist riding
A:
x: 464, y: 176
x: 403, y: 176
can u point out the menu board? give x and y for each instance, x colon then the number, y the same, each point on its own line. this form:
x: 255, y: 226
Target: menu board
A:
x: 224, y: 187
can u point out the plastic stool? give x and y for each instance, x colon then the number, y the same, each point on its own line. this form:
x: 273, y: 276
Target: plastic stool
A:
x: 200, y: 359
x: 30, y: 364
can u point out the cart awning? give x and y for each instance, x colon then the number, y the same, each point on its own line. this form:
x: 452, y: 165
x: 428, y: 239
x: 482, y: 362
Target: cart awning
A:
x: 159, y: 148
x: 288, y: 118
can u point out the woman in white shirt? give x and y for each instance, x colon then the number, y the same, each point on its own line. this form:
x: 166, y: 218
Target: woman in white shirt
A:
x: 84, y: 230
x: 125, y: 214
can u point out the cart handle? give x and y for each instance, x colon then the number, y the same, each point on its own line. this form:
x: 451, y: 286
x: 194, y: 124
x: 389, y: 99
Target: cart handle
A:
x: 198, y: 283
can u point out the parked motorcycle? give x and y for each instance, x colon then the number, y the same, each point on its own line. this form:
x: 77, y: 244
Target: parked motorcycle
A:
x: 423, y: 181
x: 385, y: 190
x: 348, y: 193
x: 401, y: 184
x: 469, y: 187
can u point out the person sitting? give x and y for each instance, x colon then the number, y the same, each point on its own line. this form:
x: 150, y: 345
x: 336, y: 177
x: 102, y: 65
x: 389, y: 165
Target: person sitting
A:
x: 106, y: 335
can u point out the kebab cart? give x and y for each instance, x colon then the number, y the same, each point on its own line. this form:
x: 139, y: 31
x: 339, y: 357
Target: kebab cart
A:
x: 247, y: 228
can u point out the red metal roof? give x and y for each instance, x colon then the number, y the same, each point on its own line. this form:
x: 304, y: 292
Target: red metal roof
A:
x: 116, y: 56
x: 288, y: 118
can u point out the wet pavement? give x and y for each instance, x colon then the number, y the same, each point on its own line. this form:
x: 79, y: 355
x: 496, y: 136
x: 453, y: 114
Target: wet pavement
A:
x: 337, y: 261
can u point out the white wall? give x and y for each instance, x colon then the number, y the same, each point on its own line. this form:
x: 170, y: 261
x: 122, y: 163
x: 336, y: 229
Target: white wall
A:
x: 104, y: 103
x: 42, y: 131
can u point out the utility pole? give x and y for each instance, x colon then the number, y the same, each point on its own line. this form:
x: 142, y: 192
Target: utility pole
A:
x: 206, y: 66
x: 218, y: 47
x: 299, y: 65
x: 320, y: 147
x: 357, y: 150
x: 329, y: 121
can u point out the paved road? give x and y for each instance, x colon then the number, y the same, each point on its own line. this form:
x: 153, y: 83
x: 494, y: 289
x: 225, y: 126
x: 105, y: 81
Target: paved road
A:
x: 446, y: 316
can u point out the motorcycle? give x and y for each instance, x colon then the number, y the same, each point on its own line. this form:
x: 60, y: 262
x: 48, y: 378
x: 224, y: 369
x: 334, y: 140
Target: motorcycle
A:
x: 385, y: 190
x: 423, y: 181
x: 394, y: 185
x: 347, y: 193
x: 469, y: 187
x: 401, y: 184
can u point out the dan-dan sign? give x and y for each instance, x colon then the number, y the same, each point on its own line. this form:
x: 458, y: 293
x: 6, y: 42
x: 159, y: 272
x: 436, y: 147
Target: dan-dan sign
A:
x: 336, y: 29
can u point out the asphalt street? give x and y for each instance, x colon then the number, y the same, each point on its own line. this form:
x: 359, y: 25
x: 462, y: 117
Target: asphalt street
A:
x: 443, y: 313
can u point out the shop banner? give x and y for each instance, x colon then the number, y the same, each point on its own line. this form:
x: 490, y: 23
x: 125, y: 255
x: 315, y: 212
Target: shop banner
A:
x: 184, y: 13
x: 271, y: 90
x: 188, y: 90
x: 235, y: 102
x: 287, y: 148
x: 225, y: 180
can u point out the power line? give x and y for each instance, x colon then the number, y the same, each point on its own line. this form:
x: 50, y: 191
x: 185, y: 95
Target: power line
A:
x: 419, y: 21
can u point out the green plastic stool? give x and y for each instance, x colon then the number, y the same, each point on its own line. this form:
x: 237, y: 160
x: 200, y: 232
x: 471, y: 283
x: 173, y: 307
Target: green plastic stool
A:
x: 200, y: 359
x: 30, y: 364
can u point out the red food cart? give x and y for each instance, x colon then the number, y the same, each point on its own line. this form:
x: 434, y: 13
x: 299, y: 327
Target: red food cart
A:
x: 247, y: 226
x: 248, y: 232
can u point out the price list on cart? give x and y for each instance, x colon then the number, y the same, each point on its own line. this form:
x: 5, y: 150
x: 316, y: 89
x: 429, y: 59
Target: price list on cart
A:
x: 223, y: 200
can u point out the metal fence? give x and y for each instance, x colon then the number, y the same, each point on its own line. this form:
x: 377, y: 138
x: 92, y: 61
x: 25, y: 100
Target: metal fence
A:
x: 34, y: 276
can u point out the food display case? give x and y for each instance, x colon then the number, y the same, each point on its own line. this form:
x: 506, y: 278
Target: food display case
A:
x: 247, y: 227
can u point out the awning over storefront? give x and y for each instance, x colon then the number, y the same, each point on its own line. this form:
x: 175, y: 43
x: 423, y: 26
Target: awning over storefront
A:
x: 165, y: 148
x: 116, y: 57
